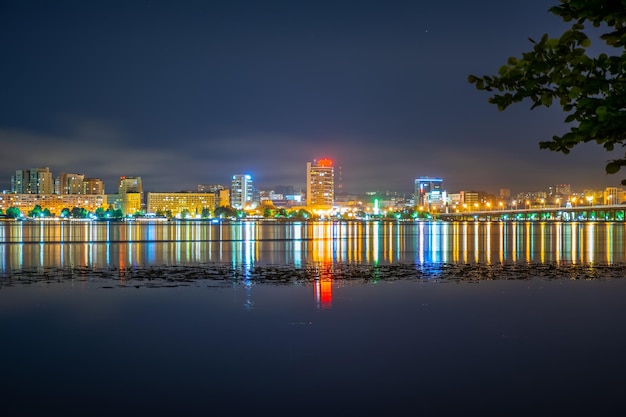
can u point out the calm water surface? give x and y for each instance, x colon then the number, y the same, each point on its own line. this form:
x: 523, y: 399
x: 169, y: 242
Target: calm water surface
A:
x: 29, y: 244
x: 96, y: 343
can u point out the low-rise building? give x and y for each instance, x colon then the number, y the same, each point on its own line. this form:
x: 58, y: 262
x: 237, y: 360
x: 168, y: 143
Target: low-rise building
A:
x: 176, y: 203
x: 53, y: 202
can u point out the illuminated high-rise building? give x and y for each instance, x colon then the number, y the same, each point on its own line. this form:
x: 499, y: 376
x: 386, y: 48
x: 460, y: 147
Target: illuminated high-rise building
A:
x: 32, y: 181
x: 20, y: 182
x: 93, y: 186
x: 67, y: 183
x: 429, y: 191
x: 241, y: 191
x: 320, y: 184
x: 41, y: 181
x: 130, y: 185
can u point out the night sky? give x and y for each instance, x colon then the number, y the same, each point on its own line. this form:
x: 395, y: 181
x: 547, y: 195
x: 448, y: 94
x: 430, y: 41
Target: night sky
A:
x: 182, y: 93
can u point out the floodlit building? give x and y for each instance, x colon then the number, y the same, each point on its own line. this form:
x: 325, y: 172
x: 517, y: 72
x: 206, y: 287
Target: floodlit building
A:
x: 67, y: 183
x: 93, y: 186
x: 131, y: 203
x: 222, y: 194
x: 130, y: 192
x: 32, y: 181
x: 130, y: 185
x: 176, y: 203
x: 320, y: 184
x: 223, y: 198
x: 429, y: 191
x: 53, y: 202
x: 41, y: 181
x: 241, y: 191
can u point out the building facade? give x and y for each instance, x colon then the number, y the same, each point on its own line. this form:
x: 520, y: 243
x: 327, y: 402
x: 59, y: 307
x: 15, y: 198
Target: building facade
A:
x: 130, y: 190
x: 320, y: 184
x: 130, y: 185
x: 223, y: 198
x: 93, y: 186
x: 614, y: 195
x: 241, y: 192
x: 67, y: 183
x: 20, y: 182
x: 32, y: 181
x: 429, y: 191
x: 41, y: 181
x: 53, y: 202
x: 176, y: 203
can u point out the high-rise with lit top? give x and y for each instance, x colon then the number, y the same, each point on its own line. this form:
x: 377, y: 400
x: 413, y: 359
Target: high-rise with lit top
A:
x: 320, y: 184
x: 241, y: 191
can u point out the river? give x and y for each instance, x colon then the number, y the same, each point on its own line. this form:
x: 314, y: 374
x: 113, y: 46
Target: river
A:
x: 312, y: 318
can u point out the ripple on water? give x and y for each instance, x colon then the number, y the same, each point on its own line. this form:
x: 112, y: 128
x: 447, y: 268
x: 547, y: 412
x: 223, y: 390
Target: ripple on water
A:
x: 216, y: 273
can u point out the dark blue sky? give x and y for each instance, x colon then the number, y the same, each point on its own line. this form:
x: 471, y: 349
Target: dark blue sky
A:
x: 183, y: 93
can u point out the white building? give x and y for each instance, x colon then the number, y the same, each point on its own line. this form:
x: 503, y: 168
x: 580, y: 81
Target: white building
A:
x: 241, y: 192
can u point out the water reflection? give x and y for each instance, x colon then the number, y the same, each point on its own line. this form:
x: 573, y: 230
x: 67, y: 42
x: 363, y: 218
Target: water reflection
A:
x: 391, y: 347
x: 65, y: 244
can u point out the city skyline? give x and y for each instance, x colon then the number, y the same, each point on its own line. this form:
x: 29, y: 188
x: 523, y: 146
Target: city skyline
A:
x: 208, y: 90
x: 234, y: 182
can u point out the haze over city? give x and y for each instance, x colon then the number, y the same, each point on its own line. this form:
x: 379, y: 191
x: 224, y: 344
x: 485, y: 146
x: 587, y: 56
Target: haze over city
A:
x: 194, y: 92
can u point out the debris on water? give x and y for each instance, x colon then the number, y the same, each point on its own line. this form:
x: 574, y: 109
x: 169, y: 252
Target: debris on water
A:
x: 219, y: 275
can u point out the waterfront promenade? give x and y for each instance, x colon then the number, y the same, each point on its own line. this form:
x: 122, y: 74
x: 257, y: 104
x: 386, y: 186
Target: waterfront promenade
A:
x: 613, y: 213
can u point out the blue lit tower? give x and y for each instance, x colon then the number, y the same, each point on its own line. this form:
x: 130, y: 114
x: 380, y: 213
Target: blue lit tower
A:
x: 241, y: 191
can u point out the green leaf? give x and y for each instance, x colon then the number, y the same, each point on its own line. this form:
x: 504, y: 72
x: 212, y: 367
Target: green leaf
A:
x: 589, y: 88
x: 612, y: 167
x: 574, y: 92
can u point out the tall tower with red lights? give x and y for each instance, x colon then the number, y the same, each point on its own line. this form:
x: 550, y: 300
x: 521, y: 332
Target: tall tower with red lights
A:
x: 320, y: 184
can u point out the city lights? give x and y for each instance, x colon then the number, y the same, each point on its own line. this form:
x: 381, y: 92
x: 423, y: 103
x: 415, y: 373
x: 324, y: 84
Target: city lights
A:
x: 72, y: 198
